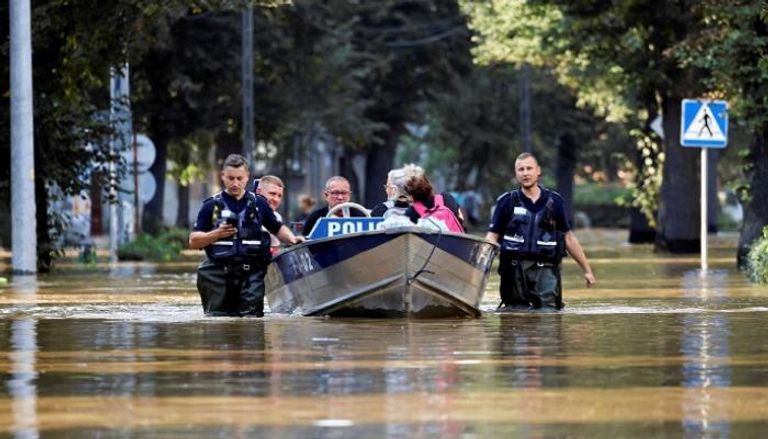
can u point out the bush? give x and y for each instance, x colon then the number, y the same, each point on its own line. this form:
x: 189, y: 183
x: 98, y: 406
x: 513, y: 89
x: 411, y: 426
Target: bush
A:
x: 599, y: 202
x: 757, y: 260
x: 165, y: 247
x: 602, y: 194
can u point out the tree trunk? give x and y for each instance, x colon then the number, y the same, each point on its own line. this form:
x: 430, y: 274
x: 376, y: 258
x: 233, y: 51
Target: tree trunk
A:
x: 347, y: 170
x: 182, y: 211
x: 679, y: 217
x: 756, y: 209
x: 381, y: 158
x: 567, y: 152
x: 182, y: 215
x: 640, y: 232
x: 226, y: 144
x: 152, y: 214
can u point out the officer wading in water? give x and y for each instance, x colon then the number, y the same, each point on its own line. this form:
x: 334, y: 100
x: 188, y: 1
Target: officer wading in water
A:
x: 530, y: 225
x: 229, y: 227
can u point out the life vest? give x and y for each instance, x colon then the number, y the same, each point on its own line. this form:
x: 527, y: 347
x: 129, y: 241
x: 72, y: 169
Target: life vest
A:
x: 440, y: 213
x: 250, y: 241
x: 533, y: 236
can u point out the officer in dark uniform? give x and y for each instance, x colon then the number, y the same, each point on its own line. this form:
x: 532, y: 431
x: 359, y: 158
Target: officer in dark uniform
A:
x: 530, y: 225
x: 229, y: 227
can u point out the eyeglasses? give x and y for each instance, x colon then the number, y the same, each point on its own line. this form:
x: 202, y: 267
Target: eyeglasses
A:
x: 338, y: 193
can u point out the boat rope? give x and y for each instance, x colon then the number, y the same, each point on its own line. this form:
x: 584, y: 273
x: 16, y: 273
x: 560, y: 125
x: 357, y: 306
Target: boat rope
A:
x: 423, y: 267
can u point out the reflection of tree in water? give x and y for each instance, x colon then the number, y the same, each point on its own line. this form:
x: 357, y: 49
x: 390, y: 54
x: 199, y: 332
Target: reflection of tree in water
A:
x: 533, y: 336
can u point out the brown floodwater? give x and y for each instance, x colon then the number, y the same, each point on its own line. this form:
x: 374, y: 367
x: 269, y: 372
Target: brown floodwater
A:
x: 657, y: 348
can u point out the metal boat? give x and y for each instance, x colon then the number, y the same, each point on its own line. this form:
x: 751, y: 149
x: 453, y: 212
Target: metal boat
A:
x: 397, y: 272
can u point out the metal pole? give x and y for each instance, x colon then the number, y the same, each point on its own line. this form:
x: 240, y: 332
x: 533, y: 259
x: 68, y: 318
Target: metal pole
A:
x: 121, y: 200
x: 23, y: 208
x: 524, y: 86
x: 703, y: 229
x: 247, y: 85
x: 136, y: 203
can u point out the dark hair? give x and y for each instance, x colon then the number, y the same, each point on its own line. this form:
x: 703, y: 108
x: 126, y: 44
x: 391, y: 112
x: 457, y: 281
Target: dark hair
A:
x: 419, y: 188
x: 234, y: 161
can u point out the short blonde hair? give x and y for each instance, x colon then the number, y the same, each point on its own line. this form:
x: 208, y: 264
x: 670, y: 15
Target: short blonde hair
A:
x: 271, y: 179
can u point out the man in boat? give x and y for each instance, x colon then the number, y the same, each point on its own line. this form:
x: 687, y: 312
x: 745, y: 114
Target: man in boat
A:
x: 531, y: 226
x: 229, y: 227
x: 271, y: 188
x: 337, y: 191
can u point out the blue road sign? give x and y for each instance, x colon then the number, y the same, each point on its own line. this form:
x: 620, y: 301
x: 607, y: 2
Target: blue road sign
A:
x: 326, y: 227
x: 704, y: 123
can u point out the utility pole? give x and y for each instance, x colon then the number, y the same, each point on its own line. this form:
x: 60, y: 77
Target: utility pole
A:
x: 524, y: 87
x: 23, y: 208
x: 121, y: 192
x: 247, y: 86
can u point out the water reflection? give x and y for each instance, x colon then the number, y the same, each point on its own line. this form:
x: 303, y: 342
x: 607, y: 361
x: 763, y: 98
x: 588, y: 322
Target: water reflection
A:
x: 705, y: 348
x: 529, y: 336
x: 649, y: 352
x: 21, y: 385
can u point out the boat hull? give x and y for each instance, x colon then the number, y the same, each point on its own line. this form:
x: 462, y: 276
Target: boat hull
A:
x: 405, y: 272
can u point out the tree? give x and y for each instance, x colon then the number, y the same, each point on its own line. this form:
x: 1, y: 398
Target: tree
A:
x: 185, y: 83
x: 621, y: 58
x: 75, y: 44
x: 734, y: 47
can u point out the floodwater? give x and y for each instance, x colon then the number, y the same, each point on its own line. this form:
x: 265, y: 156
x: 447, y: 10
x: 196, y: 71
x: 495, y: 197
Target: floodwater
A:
x: 655, y: 349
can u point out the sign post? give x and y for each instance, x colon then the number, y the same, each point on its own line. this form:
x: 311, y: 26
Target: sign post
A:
x: 704, y: 124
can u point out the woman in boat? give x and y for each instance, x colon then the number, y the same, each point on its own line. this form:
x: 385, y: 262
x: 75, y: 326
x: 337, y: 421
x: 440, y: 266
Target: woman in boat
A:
x: 440, y: 209
x: 397, y: 198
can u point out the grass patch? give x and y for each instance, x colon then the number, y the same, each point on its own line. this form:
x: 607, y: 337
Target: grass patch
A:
x: 166, y: 246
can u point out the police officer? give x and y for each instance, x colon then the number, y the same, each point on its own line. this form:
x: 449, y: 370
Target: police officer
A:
x: 530, y: 225
x: 229, y: 227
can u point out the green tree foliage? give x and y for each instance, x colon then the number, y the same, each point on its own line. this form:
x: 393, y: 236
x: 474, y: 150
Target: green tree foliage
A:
x: 757, y: 258
x: 624, y: 59
x: 473, y: 135
x: 734, y: 47
x: 75, y: 44
x: 406, y: 52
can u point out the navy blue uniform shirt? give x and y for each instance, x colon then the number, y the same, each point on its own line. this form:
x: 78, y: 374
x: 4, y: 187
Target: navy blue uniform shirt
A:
x: 504, y: 210
x: 204, y: 221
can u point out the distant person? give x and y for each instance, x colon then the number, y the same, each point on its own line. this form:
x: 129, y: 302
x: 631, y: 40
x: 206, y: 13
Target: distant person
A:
x: 306, y: 206
x: 398, y: 200
x: 229, y: 227
x: 337, y: 191
x: 470, y: 204
x: 440, y: 209
x: 271, y: 188
x: 530, y: 225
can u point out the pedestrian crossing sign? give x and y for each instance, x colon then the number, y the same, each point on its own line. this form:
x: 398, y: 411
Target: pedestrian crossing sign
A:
x: 704, y: 123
